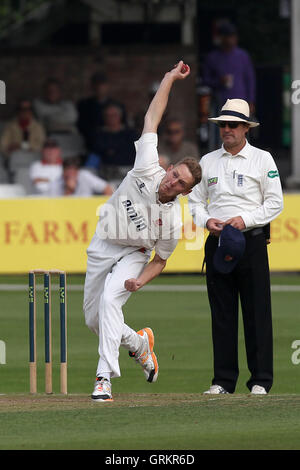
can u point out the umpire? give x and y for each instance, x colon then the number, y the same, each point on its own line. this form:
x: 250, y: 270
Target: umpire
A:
x: 240, y: 187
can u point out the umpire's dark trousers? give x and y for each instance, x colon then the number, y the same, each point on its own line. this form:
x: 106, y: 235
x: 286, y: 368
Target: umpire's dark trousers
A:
x: 250, y: 280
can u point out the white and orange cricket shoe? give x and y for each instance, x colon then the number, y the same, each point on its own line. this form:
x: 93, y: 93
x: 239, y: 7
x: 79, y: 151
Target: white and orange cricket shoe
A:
x: 102, y: 390
x: 145, y: 355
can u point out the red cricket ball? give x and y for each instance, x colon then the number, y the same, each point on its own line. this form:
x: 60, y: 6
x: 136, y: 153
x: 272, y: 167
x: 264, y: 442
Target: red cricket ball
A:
x: 184, y: 68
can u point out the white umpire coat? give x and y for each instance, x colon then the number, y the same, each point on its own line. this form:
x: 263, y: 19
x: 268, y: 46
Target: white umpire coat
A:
x: 246, y: 185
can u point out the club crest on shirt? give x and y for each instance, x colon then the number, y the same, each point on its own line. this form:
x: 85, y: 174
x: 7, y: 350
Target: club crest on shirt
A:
x: 240, y: 180
x: 273, y: 174
x: 140, y: 186
x: 212, y: 181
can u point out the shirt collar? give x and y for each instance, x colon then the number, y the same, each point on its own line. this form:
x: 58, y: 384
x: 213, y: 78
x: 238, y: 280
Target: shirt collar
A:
x: 245, y: 152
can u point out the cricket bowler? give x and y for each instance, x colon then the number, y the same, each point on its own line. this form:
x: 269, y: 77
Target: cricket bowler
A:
x: 143, y: 214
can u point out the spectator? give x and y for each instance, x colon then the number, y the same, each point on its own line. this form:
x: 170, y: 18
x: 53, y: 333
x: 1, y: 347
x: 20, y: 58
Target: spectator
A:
x: 113, y: 145
x: 77, y: 182
x: 229, y: 73
x: 228, y: 70
x: 173, y: 143
x: 91, y: 109
x: 23, y: 132
x: 48, y: 169
x: 56, y: 114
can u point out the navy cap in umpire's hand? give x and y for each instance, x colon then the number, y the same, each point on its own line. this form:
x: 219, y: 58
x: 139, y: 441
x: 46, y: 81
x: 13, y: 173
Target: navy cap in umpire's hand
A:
x: 230, y: 249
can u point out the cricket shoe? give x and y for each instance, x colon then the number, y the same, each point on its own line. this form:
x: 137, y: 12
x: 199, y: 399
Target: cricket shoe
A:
x: 258, y: 390
x: 102, y: 390
x: 215, y: 390
x: 145, y: 355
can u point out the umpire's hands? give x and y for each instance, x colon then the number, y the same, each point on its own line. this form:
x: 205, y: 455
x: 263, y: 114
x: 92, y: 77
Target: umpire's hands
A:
x: 215, y: 226
x: 236, y: 222
x: 132, y: 285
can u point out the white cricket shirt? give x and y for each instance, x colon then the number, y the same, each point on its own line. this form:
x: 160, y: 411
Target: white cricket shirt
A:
x: 246, y: 185
x: 44, y: 171
x: 133, y: 216
x: 87, y: 185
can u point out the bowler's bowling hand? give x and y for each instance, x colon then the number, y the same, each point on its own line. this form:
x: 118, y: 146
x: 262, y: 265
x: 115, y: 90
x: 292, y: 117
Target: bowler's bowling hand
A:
x: 180, y: 71
x: 236, y: 222
x: 215, y: 226
x: 132, y: 285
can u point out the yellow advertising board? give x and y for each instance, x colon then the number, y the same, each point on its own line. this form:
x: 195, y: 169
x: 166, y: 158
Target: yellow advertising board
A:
x: 55, y: 233
x: 284, y: 250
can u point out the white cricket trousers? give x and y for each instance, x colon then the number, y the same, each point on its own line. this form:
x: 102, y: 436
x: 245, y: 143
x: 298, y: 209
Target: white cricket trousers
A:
x: 108, y: 267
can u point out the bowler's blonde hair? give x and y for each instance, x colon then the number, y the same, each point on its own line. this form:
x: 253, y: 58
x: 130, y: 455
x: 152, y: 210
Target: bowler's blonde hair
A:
x: 194, y: 167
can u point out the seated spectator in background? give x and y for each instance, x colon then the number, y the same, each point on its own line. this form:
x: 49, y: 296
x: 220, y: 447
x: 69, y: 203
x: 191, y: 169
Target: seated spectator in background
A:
x: 91, y: 109
x: 77, y: 182
x: 23, y: 132
x: 113, y: 144
x: 173, y: 144
x: 48, y: 169
x: 56, y: 114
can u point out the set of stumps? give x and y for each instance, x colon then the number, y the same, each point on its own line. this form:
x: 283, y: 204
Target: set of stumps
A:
x: 47, y: 329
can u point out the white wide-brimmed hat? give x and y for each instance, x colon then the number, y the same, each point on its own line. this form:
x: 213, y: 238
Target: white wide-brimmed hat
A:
x: 235, y: 110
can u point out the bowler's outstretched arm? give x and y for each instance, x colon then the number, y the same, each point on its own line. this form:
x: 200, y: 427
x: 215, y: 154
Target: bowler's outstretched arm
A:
x: 159, y: 103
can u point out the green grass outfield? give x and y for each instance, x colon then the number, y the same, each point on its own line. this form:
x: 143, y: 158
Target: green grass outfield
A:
x: 170, y: 414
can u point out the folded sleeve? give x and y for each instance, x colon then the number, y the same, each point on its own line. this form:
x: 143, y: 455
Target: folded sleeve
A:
x: 146, y: 153
x: 164, y: 248
x: 272, y: 204
x: 198, y: 201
